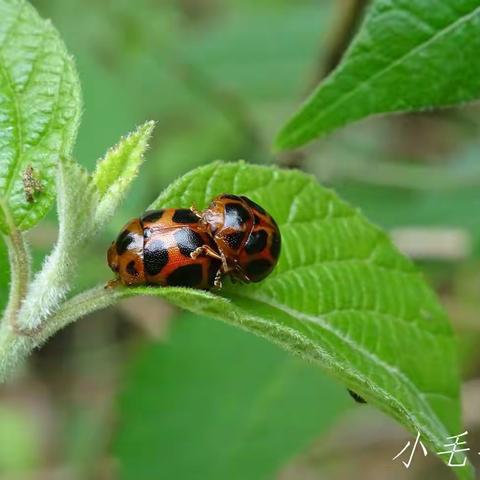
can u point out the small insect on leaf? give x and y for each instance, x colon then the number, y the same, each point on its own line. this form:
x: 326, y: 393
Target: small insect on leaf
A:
x: 31, y: 184
x: 40, y: 109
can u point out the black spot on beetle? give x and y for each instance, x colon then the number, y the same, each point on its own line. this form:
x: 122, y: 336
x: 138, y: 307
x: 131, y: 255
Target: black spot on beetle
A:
x: 230, y: 197
x: 155, y: 257
x: 212, y: 271
x: 254, y: 205
x: 256, y: 270
x: 151, y: 216
x: 256, y: 242
x: 256, y: 219
x: 131, y: 268
x: 276, y: 244
x: 234, y: 240
x: 184, y: 215
x: 147, y: 233
x: 124, y: 240
x: 235, y: 215
x: 186, y: 276
x: 187, y: 241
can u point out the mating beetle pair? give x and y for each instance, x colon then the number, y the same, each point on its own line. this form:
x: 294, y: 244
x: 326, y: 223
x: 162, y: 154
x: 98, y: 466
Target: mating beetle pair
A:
x: 184, y: 247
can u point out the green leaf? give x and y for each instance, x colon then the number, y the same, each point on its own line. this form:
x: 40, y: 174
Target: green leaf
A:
x: 85, y: 203
x: 408, y: 55
x: 118, y: 168
x: 39, y: 113
x: 213, y: 416
x: 341, y: 295
x: 121, y: 162
x: 77, y: 201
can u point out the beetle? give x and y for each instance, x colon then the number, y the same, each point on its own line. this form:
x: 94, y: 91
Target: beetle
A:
x: 157, y: 248
x: 247, y: 237
x: 184, y: 247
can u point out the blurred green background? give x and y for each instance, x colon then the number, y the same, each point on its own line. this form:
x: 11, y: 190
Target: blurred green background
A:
x: 142, y: 391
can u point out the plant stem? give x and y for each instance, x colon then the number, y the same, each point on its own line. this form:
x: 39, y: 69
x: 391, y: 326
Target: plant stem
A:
x: 15, y: 347
x: 82, y: 304
x: 19, y: 273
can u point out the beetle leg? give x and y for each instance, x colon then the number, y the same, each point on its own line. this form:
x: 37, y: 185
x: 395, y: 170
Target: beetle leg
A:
x: 205, y: 250
x: 193, y: 209
x: 217, y: 283
x: 225, y: 266
x: 112, y: 284
x: 241, y: 275
x: 210, y: 252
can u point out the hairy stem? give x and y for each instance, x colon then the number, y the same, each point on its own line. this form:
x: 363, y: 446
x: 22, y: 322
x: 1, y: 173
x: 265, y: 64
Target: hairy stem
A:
x: 52, y: 283
x: 19, y: 273
x: 15, y: 347
x: 82, y: 304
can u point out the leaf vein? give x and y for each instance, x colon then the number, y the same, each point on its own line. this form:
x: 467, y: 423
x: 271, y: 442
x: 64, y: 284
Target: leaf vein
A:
x: 418, y: 48
x: 387, y: 367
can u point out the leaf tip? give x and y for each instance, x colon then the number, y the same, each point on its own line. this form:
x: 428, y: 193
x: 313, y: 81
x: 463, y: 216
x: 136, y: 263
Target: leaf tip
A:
x: 148, y: 127
x: 286, y: 139
x: 143, y: 132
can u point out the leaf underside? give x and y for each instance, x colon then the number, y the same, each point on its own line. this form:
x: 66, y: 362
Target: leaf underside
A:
x: 39, y: 113
x: 341, y: 296
x: 408, y: 55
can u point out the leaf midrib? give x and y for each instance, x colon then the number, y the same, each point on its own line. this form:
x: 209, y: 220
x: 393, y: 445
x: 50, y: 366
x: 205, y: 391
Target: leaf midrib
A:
x: 416, y: 49
x: 370, y: 357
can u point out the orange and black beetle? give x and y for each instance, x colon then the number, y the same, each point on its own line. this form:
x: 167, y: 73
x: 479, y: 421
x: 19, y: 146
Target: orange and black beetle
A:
x: 246, y: 236
x: 180, y: 247
x: 157, y: 249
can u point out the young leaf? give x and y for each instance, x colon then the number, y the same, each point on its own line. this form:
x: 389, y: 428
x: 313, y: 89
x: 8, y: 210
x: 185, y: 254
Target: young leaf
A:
x: 118, y: 168
x: 241, y: 419
x: 408, y: 55
x: 77, y: 200
x: 85, y: 203
x: 341, y: 295
x: 39, y: 113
